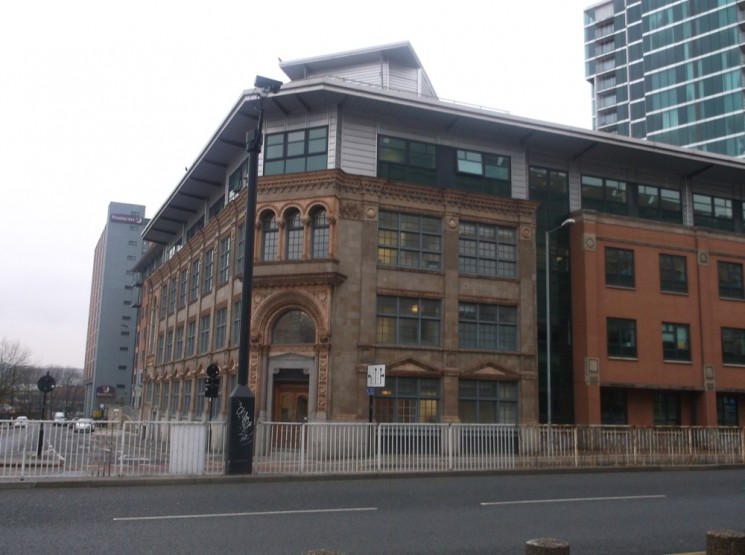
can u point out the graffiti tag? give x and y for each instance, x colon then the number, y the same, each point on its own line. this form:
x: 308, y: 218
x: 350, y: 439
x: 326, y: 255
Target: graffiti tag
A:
x: 245, y: 429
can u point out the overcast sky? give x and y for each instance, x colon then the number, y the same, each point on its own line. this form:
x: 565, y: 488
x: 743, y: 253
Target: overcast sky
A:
x: 104, y: 101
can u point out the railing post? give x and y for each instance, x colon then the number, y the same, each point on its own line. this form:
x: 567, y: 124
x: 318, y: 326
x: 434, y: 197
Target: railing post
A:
x: 121, y: 450
x: 576, y: 446
x: 378, y: 444
x: 302, y: 447
x: 450, y: 445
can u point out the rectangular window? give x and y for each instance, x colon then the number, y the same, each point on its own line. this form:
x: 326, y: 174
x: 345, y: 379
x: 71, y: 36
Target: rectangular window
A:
x: 236, y: 180
x: 294, y: 235
x: 655, y: 203
x: 183, y: 285
x: 676, y: 342
x: 408, y: 400
x: 613, y: 407
x: 408, y: 321
x: 201, y: 386
x: 224, y: 271
x: 487, y: 402
x: 209, y: 271
x: 204, y: 334
x: 194, y: 289
x: 409, y: 240
x: 487, y: 250
x: 304, y: 150
x: 240, y: 248
x: 235, y: 334
x: 666, y: 408
x: 161, y: 347
x: 163, y: 301
x: 195, y: 228
x: 179, y: 343
x: 166, y: 397
x: 673, y: 274
x: 216, y: 208
x: 733, y: 346
x: 479, y: 172
x: 619, y: 267
x: 175, y: 398
x: 405, y: 160
x: 621, y: 335
x: 221, y: 328
x: 319, y: 238
x: 169, y: 346
x: 604, y: 195
x: 727, y: 410
x: 172, y: 297
x: 191, y: 336
x: 186, y: 406
x: 713, y: 212
x: 730, y: 280
x: 487, y: 326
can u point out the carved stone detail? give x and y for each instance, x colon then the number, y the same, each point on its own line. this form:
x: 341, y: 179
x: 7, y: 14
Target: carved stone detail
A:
x: 351, y: 211
x: 592, y: 371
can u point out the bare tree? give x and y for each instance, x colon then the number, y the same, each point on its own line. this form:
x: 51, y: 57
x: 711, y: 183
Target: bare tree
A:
x: 14, y: 362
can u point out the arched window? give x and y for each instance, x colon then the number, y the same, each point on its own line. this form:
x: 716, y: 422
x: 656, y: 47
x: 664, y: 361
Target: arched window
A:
x: 320, y: 233
x: 294, y: 245
x: 269, y: 231
x: 294, y: 327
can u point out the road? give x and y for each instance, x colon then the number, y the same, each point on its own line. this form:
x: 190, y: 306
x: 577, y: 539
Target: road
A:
x: 606, y: 513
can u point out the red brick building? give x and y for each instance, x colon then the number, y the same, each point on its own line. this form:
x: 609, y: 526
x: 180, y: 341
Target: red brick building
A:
x: 658, y: 322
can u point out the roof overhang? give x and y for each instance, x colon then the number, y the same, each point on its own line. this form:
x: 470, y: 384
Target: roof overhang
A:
x: 207, y: 174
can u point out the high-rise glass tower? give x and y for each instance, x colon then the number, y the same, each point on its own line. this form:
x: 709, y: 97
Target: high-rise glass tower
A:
x: 669, y: 70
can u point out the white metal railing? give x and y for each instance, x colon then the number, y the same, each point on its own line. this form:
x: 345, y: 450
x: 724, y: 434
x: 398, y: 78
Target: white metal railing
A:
x: 173, y: 448
x: 43, y: 449
x: 334, y: 447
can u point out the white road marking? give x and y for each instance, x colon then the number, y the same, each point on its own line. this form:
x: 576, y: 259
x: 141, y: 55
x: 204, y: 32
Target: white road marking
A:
x: 258, y: 513
x: 572, y: 500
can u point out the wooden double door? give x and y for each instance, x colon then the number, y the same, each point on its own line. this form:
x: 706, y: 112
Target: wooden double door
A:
x: 290, y: 402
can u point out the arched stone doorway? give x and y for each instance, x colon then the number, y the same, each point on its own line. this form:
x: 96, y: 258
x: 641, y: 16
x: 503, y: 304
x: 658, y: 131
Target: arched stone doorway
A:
x: 292, y: 377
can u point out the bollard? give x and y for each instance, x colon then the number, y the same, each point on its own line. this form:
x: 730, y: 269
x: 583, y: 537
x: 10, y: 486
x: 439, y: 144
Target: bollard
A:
x: 725, y: 542
x: 546, y: 546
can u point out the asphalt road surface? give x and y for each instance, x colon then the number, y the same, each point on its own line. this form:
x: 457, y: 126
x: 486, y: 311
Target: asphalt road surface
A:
x: 653, y: 512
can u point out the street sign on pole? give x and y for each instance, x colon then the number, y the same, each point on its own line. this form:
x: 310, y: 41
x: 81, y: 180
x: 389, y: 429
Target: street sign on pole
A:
x: 376, y: 375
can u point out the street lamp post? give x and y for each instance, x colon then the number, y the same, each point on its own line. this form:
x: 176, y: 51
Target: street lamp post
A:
x: 568, y: 221
x: 242, y: 402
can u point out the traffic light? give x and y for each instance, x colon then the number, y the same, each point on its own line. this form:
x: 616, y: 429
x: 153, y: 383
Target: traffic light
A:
x: 212, y: 383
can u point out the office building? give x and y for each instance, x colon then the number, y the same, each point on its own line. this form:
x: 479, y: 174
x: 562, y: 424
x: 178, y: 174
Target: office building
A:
x: 669, y: 71
x: 112, y: 316
x: 396, y: 229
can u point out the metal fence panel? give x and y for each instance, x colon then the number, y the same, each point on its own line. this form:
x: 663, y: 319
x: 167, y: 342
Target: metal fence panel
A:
x: 41, y: 450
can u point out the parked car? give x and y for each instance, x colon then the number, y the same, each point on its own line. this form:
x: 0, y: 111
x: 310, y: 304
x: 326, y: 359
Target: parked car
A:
x: 59, y: 419
x: 84, y: 425
x: 21, y: 422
